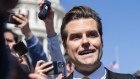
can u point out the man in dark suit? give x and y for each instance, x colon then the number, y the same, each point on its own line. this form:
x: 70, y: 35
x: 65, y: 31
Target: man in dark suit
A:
x: 81, y: 33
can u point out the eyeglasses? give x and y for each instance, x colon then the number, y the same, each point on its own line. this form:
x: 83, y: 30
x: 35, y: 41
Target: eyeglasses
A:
x: 9, y: 40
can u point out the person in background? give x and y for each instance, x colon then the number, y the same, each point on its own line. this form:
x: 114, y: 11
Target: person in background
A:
x: 11, y: 39
x: 34, y: 46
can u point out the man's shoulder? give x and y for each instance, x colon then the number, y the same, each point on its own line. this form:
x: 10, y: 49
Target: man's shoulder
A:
x: 123, y: 76
x: 114, y: 75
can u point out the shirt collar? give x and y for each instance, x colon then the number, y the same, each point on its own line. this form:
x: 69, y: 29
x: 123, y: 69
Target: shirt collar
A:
x: 100, y: 73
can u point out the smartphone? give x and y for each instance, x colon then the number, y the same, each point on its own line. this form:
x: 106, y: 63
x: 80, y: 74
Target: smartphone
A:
x: 44, y: 10
x: 20, y: 48
x: 59, y: 67
x: 11, y: 20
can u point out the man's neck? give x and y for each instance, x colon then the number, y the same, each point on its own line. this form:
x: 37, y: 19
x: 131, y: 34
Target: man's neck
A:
x: 87, y: 70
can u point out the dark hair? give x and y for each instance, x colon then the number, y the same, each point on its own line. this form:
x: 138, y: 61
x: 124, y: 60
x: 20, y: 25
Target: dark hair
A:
x: 14, y: 34
x: 79, y: 12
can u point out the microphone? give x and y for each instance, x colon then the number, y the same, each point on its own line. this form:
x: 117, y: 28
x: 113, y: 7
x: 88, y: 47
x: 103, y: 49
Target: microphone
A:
x: 44, y: 10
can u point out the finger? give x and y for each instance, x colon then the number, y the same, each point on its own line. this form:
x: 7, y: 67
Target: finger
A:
x: 21, y: 16
x: 40, y: 62
x: 41, y: 73
x: 40, y: 3
x: 17, y: 19
x: 46, y: 64
x: 46, y: 70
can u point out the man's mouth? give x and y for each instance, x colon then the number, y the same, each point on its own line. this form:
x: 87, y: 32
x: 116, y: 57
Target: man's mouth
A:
x: 84, y: 52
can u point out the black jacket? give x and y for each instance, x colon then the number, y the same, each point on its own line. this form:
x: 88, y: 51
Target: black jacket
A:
x: 113, y: 75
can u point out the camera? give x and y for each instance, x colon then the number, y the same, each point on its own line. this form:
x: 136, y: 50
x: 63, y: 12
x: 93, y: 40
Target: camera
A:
x: 58, y: 67
x: 20, y: 48
x: 44, y: 10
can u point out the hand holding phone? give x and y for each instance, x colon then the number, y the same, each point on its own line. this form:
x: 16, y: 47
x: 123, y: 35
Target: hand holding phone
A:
x: 44, y: 10
x: 12, y: 20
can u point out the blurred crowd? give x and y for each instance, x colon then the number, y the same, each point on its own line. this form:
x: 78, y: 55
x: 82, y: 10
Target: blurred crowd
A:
x: 19, y: 60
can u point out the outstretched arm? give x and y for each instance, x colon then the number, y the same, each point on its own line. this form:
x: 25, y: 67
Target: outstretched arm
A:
x: 52, y: 37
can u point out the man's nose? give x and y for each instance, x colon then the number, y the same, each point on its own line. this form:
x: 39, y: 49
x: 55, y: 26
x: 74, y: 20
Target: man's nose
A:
x: 85, y: 42
x: 6, y: 43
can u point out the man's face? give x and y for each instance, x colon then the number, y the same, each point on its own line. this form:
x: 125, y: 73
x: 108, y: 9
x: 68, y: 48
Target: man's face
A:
x: 83, y: 43
x: 9, y: 39
x: 10, y: 42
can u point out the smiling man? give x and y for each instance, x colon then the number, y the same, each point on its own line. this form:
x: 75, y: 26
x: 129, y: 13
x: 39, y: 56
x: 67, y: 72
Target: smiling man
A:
x: 81, y: 32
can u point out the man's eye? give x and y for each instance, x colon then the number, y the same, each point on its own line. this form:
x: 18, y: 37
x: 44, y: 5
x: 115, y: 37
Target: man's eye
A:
x: 92, y: 34
x: 9, y: 40
x: 75, y: 37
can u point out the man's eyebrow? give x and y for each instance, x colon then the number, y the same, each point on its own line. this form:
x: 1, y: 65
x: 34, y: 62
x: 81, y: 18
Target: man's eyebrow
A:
x: 92, y: 31
x: 72, y: 34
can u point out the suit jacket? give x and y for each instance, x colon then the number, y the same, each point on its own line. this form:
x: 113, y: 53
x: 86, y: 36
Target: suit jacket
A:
x: 112, y: 75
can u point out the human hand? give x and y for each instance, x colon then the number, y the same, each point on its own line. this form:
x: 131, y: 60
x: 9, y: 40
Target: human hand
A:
x: 21, y: 19
x: 23, y: 24
x: 43, y: 67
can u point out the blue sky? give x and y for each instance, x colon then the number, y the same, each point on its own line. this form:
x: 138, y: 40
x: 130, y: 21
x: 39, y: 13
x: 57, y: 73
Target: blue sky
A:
x: 121, y: 28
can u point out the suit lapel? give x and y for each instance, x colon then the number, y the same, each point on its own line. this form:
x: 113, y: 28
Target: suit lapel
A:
x: 110, y: 75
